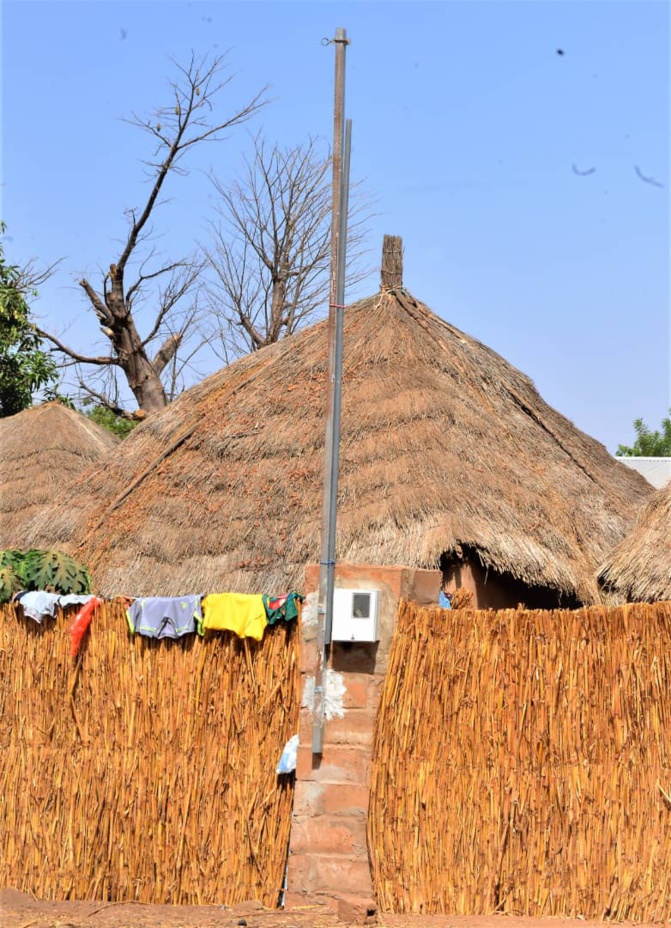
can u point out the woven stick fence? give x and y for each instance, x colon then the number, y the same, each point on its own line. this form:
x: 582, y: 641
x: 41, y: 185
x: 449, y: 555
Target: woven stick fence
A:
x: 522, y: 764
x: 144, y: 770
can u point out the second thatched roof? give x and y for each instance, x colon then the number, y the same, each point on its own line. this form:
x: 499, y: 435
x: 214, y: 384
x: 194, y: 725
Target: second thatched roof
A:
x: 42, y: 449
x: 446, y: 449
x: 639, y: 568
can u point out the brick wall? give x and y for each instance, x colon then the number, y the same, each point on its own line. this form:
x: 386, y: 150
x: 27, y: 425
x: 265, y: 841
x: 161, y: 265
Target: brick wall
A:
x: 328, y: 852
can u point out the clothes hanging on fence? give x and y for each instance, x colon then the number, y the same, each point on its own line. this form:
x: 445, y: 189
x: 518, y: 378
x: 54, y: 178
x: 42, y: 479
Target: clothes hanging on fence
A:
x: 445, y: 600
x: 165, y: 616
x: 281, y: 607
x: 38, y: 604
x: 74, y: 599
x: 81, y: 622
x: 241, y: 613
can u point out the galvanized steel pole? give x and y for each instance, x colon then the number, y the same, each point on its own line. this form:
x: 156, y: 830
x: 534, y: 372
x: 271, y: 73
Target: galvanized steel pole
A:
x: 337, y: 383
x: 332, y: 442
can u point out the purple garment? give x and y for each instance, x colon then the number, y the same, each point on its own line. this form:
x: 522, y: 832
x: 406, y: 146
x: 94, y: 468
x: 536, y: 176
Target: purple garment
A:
x: 165, y: 616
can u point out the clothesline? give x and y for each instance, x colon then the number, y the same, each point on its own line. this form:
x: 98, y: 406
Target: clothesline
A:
x: 244, y: 614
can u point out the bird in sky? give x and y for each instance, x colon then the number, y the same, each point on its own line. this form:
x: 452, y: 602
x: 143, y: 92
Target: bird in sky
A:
x: 576, y: 170
x: 646, y: 179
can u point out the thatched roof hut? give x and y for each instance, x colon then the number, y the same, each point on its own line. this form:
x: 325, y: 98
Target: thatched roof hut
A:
x: 447, y: 453
x: 639, y: 568
x: 42, y: 450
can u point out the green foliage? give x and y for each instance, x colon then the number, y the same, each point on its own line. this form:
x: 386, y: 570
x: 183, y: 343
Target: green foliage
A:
x: 61, y: 398
x: 24, y: 367
x: 649, y: 444
x: 13, y: 559
x: 11, y: 575
x: 55, y: 570
x: 41, y: 570
x: 118, y: 425
x: 9, y: 584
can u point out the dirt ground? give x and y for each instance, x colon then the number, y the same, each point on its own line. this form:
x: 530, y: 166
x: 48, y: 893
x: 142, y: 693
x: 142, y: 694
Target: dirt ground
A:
x: 18, y: 910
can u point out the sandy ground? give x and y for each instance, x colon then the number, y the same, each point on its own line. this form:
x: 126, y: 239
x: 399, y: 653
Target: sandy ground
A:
x: 18, y: 910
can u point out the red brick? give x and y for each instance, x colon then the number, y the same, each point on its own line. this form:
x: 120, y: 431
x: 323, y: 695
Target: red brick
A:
x: 305, y: 728
x: 341, y: 875
x: 302, y: 899
x: 356, y: 727
x: 325, y: 835
x: 347, y: 799
x: 338, y: 764
x: 328, y: 874
x: 308, y: 798
x: 309, y: 653
x: 374, y: 693
x: 311, y: 578
x: 298, y: 878
x: 356, y: 692
x: 357, y: 910
x: 422, y: 586
x: 354, y: 732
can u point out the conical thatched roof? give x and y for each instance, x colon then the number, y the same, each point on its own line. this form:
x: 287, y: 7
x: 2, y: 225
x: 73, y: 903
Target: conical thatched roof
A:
x: 639, y: 568
x: 41, y: 451
x: 445, y: 448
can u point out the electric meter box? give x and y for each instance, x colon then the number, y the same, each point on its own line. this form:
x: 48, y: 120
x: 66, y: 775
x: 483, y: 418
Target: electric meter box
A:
x: 356, y: 615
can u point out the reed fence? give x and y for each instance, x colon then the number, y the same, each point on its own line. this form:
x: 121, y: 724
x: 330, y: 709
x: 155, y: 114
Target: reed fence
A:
x: 522, y: 764
x: 144, y: 770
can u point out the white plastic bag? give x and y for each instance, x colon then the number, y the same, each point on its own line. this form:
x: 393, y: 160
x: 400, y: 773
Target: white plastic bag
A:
x: 287, y: 762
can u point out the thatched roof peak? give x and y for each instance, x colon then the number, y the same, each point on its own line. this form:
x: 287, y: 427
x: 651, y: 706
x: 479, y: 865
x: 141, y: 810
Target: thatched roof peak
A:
x: 42, y: 449
x: 639, y: 568
x: 445, y: 449
x: 391, y: 271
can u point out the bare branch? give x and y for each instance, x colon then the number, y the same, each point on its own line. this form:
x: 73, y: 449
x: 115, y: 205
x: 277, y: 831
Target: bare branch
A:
x: 101, y: 310
x: 166, y: 352
x: 188, y: 118
x: 106, y: 402
x: 30, y: 278
x: 270, y: 252
x: 83, y: 359
x: 178, y: 287
x: 183, y: 125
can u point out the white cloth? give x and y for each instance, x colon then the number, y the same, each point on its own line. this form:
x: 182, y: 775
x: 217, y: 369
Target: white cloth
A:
x: 74, y: 599
x: 39, y: 605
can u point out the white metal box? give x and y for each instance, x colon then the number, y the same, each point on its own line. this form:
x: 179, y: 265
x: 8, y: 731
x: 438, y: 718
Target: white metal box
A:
x: 356, y: 615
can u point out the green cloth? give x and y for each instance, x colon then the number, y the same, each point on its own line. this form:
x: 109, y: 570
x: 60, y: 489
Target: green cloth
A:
x: 282, y: 607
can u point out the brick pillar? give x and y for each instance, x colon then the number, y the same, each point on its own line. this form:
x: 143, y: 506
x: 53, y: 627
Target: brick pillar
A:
x: 328, y: 854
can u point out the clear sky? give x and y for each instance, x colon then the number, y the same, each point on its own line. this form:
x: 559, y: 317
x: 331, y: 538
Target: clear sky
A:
x: 468, y: 127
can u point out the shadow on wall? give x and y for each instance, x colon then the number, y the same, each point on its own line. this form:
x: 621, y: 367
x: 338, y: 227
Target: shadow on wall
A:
x: 493, y: 590
x: 358, y: 657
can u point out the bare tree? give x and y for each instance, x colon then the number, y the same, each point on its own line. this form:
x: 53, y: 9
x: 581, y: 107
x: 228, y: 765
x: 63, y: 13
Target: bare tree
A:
x: 271, y: 246
x: 186, y: 121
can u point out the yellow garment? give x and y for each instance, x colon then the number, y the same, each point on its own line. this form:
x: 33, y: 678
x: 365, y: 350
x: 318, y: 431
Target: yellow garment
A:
x: 242, y: 613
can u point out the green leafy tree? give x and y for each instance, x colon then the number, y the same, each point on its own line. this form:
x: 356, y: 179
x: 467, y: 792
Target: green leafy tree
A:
x: 25, y: 368
x: 649, y: 444
x: 117, y: 424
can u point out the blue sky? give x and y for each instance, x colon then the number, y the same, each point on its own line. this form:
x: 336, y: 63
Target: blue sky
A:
x: 467, y: 126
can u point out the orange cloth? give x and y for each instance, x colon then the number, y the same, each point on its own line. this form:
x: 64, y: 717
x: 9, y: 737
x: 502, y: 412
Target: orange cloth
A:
x: 241, y: 613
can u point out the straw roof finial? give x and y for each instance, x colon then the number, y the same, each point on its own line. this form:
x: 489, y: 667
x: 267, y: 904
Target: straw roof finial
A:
x: 392, y: 262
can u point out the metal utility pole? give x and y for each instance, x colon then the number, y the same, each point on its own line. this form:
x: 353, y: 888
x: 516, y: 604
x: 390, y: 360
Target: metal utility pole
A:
x: 332, y: 444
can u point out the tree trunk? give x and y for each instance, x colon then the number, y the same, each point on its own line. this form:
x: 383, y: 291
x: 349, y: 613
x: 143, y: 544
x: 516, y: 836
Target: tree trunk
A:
x: 278, y: 300
x: 143, y: 380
